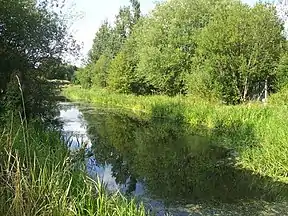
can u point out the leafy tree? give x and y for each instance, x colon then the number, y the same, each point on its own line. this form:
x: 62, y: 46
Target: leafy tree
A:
x: 54, y: 68
x: 102, y: 43
x: 109, y: 39
x: 99, y: 71
x: 83, y: 76
x: 282, y: 72
x: 30, y: 33
x: 167, y: 42
x: 136, y: 10
x: 120, y: 74
x: 123, y: 26
x: 240, y: 49
x: 108, y: 42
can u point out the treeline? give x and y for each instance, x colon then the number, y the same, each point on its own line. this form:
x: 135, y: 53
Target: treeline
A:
x: 222, y: 49
x: 33, y: 41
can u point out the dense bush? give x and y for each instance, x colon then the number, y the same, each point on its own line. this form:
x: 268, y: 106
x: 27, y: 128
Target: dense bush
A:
x: 83, y: 76
x: 55, y: 68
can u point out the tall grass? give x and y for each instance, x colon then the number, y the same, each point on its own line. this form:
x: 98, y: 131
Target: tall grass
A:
x: 256, y: 132
x: 38, y: 177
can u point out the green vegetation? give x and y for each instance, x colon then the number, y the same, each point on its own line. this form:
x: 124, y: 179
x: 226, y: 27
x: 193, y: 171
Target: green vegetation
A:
x: 38, y: 173
x: 175, y: 164
x: 40, y: 176
x: 217, y: 59
x: 192, y: 72
x: 220, y: 49
x: 31, y: 35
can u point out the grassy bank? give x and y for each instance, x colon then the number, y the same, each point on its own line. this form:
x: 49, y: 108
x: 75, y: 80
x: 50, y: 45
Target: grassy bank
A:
x: 39, y: 176
x: 257, y: 133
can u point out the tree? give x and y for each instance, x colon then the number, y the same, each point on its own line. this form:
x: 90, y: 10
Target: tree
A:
x: 167, y: 42
x: 136, y: 10
x: 119, y: 74
x: 240, y: 49
x: 109, y: 39
x: 30, y: 33
x: 99, y: 71
x: 282, y: 73
x: 108, y: 43
x: 83, y: 76
x: 55, y: 68
x: 123, y: 26
x: 102, y: 43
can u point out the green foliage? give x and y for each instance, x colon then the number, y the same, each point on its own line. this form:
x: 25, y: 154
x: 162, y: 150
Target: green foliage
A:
x: 224, y: 49
x: 119, y: 74
x: 109, y: 39
x: 282, y: 72
x: 102, y: 43
x: 99, y: 71
x: 136, y: 11
x: 38, y: 102
x: 280, y: 98
x: 122, y: 76
x: 30, y: 34
x: 107, y: 44
x: 83, y: 76
x: 167, y: 42
x: 54, y: 68
x: 200, y: 85
x: 240, y: 49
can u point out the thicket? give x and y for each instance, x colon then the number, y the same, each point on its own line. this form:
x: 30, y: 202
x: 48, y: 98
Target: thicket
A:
x: 223, y: 49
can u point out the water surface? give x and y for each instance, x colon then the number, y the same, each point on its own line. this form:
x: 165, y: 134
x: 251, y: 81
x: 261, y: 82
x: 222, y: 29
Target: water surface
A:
x: 164, y: 162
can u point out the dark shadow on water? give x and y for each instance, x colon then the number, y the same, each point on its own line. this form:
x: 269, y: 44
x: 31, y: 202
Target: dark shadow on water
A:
x: 176, y: 162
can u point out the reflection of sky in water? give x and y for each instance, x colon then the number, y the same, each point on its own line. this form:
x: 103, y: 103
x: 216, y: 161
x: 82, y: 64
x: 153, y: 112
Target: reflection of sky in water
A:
x: 75, y: 133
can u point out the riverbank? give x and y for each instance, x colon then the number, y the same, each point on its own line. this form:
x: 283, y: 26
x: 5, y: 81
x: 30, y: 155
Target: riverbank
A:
x: 39, y: 175
x: 255, y: 132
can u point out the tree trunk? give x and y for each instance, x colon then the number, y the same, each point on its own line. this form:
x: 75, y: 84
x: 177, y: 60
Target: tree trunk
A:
x: 266, y: 92
x: 245, y: 90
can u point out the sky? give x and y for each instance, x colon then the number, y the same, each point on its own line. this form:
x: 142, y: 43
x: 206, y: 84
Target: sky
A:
x: 93, y: 12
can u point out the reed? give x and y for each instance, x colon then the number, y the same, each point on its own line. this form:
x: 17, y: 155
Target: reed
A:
x: 38, y: 177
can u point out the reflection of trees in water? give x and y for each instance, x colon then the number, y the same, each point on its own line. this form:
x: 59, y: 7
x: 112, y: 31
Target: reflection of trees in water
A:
x: 111, y: 138
x: 174, y: 162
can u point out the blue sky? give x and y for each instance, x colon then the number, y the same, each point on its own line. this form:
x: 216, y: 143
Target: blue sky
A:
x: 95, y: 11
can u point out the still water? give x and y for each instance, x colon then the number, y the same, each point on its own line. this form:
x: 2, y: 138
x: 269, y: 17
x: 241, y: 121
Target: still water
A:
x: 164, y: 163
